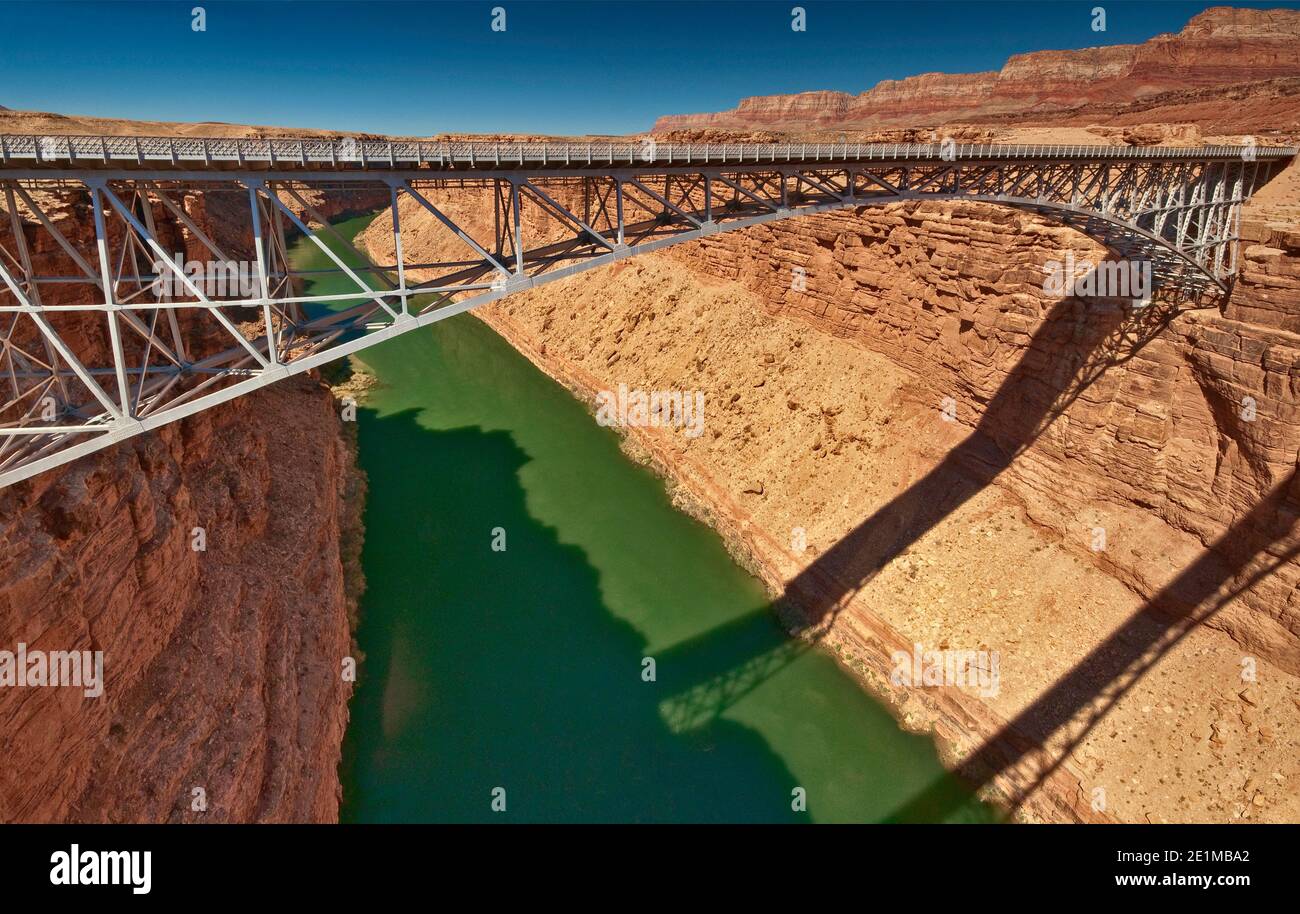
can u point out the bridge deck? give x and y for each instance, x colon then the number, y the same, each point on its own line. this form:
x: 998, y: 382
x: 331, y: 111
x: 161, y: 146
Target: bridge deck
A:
x: 72, y: 383
x: 61, y: 153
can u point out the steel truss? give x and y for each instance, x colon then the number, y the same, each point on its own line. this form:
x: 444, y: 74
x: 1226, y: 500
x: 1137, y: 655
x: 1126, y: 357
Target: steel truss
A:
x: 124, y: 341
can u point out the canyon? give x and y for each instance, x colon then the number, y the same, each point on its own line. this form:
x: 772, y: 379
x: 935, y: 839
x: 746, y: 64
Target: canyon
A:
x: 827, y: 426
x: 915, y: 446
x: 824, y: 415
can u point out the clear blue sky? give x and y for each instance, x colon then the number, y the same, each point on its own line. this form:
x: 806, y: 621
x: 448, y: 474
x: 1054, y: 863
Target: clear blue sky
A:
x: 431, y: 67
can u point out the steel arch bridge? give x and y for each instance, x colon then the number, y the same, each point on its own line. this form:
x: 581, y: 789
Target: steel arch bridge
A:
x: 117, y: 338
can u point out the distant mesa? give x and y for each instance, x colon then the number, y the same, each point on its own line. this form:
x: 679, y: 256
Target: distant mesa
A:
x: 1220, y: 47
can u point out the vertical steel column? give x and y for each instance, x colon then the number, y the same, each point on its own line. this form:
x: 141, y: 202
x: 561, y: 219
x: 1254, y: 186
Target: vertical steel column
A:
x: 397, y: 248
x: 519, y: 234
x: 178, y: 339
x: 33, y: 289
x: 293, y: 309
x: 618, y: 208
x: 263, y: 281
x: 106, y: 274
x: 498, y: 240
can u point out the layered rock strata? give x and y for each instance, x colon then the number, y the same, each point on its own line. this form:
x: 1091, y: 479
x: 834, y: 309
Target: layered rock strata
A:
x: 1257, y: 52
x: 214, y: 564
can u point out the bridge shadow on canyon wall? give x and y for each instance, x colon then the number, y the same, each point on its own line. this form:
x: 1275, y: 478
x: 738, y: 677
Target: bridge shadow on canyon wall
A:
x: 513, y: 669
x: 1071, y: 708
x: 1078, y: 341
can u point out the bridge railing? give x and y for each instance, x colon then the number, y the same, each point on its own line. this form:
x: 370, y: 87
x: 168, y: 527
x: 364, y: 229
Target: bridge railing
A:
x: 325, y: 153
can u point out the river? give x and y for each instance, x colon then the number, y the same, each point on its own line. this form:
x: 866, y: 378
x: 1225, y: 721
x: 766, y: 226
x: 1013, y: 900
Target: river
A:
x: 611, y: 662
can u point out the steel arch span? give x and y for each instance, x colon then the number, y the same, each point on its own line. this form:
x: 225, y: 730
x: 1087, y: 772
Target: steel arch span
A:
x: 107, y: 336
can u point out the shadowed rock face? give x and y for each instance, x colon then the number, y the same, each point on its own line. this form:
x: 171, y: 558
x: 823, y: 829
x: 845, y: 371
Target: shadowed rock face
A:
x: 1219, y: 47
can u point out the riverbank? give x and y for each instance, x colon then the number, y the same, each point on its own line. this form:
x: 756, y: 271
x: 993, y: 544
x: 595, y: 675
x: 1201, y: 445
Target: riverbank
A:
x: 609, y: 661
x: 808, y: 430
x: 824, y: 415
x: 951, y: 718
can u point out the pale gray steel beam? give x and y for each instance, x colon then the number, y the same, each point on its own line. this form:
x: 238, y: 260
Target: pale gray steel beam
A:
x: 659, y: 215
x: 564, y: 212
x: 178, y: 339
x: 768, y: 203
x: 47, y: 330
x: 618, y: 205
x: 397, y: 246
x: 334, y: 233
x: 34, y: 292
x: 58, y: 236
x: 324, y: 154
x: 504, y: 240
x: 364, y: 290
x: 289, y: 310
x: 413, y: 175
x: 115, y: 339
x: 498, y: 243
x: 130, y: 251
x: 929, y: 178
x: 57, y: 342
x: 881, y: 182
x: 664, y: 200
x: 603, y: 195
x: 263, y: 282
x: 764, y: 180
x: 519, y: 242
x: 821, y: 187
x: 185, y: 220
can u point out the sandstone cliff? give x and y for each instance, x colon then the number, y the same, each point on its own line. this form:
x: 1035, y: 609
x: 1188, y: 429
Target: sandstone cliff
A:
x: 1257, y: 51
x: 826, y: 413
x: 223, y: 664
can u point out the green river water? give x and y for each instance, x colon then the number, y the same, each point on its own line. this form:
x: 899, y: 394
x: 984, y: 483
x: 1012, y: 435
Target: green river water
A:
x: 523, y: 669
